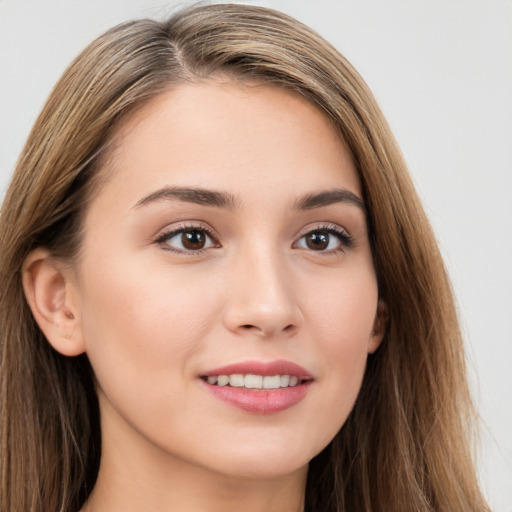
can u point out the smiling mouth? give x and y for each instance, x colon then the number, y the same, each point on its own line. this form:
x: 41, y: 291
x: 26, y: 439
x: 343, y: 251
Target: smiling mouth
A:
x: 259, y: 387
x: 255, y: 382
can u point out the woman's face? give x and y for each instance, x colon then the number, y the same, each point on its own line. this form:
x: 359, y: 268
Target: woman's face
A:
x: 227, y: 245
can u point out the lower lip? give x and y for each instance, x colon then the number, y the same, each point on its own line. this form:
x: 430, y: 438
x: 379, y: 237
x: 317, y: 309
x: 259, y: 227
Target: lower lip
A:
x: 260, y: 401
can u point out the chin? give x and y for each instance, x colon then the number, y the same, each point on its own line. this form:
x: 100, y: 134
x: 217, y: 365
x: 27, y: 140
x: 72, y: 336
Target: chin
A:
x: 266, y: 460
x: 262, y: 468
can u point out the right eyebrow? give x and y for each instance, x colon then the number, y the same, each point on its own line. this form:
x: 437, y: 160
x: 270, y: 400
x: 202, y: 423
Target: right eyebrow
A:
x: 190, y: 195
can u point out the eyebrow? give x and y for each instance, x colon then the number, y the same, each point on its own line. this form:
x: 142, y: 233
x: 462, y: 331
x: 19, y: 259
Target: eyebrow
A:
x: 225, y: 200
x: 328, y: 197
x: 191, y: 195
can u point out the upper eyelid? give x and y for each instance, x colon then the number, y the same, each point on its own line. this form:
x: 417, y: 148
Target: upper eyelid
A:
x: 322, y: 226
x: 172, y: 231
x: 184, y: 226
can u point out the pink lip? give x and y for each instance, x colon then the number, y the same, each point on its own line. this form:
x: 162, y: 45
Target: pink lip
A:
x: 268, y: 368
x: 258, y: 401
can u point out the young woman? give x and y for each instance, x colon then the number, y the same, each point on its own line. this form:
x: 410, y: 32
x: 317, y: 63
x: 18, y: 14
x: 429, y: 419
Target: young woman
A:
x: 219, y: 289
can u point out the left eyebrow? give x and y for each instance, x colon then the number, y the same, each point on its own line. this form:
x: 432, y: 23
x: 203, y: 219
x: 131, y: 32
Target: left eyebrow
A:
x: 328, y: 197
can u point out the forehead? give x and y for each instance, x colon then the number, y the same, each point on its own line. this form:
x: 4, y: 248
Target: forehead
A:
x: 232, y: 136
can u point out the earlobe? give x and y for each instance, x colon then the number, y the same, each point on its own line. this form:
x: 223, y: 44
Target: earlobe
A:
x: 49, y: 292
x: 379, y: 327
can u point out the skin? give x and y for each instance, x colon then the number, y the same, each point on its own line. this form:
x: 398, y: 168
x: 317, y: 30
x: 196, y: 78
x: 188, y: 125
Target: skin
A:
x: 153, y: 316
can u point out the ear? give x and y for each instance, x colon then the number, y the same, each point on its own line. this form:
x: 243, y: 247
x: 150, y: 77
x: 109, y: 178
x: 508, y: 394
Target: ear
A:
x: 51, y: 293
x: 379, y: 326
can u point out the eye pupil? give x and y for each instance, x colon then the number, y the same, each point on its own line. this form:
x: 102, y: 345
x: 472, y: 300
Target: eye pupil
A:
x: 318, y: 240
x: 193, y: 239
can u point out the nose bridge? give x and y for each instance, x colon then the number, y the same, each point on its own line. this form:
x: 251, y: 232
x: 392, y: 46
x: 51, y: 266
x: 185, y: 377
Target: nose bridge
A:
x: 262, y: 298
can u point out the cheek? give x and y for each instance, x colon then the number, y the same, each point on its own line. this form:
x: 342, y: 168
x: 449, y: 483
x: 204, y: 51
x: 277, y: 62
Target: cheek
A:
x: 342, y: 316
x: 343, y: 310
x: 141, y: 324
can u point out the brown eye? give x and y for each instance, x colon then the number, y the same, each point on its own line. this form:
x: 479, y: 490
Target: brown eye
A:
x: 193, y: 240
x: 186, y: 240
x: 328, y: 240
x: 318, y: 240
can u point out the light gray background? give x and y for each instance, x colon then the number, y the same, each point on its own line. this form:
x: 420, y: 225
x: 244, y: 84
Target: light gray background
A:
x: 442, y: 72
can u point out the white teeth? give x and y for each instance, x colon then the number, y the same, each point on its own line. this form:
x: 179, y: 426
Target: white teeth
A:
x: 272, y: 382
x: 285, y: 381
x: 251, y: 381
x: 236, y: 381
x: 222, y: 380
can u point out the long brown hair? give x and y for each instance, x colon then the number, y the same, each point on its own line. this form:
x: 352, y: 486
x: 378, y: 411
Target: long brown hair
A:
x: 405, y: 445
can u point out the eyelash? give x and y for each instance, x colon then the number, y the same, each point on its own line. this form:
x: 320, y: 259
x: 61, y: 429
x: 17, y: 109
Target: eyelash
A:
x: 346, y: 241
x: 184, y: 228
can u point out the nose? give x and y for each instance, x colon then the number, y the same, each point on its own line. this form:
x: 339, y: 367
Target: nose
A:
x: 262, y: 300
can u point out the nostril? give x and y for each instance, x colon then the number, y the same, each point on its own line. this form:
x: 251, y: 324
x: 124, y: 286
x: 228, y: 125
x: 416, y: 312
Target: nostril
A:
x: 290, y: 328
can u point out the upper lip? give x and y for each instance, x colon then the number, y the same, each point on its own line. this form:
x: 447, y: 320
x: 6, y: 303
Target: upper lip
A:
x: 265, y: 368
